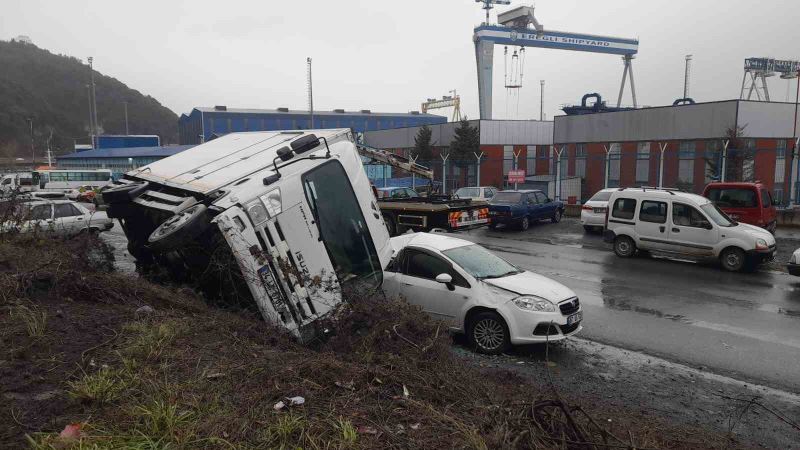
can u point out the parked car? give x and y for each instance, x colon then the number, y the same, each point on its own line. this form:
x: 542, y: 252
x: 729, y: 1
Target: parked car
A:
x: 520, y: 208
x: 477, y: 293
x: 82, y: 194
x: 593, y: 212
x: 683, y: 224
x: 794, y: 263
x: 61, y: 217
x: 745, y: 202
x: 396, y: 192
x: 476, y: 193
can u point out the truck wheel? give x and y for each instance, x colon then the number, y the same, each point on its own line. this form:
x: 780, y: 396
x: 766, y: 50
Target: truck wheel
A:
x: 179, y: 229
x: 390, y: 225
x: 488, y: 333
x: 624, y: 246
x: 733, y: 259
x: 525, y: 223
x: 124, y: 193
x: 556, y: 216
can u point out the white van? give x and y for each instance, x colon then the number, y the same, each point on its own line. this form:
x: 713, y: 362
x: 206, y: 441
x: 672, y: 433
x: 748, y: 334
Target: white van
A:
x: 284, y: 219
x: 682, y: 224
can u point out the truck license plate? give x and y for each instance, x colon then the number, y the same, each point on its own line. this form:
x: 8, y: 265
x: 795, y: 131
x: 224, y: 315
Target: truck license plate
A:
x: 575, y: 318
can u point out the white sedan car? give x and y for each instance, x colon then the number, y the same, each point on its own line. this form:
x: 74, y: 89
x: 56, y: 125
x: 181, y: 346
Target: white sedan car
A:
x: 60, y: 217
x: 593, y: 212
x: 477, y: 293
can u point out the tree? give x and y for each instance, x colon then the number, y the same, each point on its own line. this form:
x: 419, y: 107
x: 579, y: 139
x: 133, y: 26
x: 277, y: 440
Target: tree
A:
x: 423, y: 148
x: 739, y: 160
x: 467, y: 142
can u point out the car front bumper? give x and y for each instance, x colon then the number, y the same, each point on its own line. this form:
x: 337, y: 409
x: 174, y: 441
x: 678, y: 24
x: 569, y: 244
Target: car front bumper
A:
x: 528, y: 327
x: 794, y: 269
x: 762, y: 256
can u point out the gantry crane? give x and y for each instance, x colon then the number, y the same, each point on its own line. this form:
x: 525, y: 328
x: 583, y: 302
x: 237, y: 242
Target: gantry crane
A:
x: 445, y: 102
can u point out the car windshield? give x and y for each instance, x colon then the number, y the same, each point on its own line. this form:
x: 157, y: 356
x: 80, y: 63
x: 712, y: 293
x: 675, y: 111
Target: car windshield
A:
x: 506, y: 197
x: 733, y: 197
x: 719, y: 217
x: 468, y: 192
x: 601, y: 196
x: 479, y: 262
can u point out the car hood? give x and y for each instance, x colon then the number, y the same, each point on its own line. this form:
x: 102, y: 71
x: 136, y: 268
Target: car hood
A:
x: 758, y: 232
x: 529, y: 283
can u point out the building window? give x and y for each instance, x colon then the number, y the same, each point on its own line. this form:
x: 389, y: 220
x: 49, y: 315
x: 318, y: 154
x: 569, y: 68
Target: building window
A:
x: 686, y: 153
x: 642, y: 163
x: 712, y: 159
x: 508, y: 158
x: 780, y: 161
x: 612, y: 160
x: 580, y: 160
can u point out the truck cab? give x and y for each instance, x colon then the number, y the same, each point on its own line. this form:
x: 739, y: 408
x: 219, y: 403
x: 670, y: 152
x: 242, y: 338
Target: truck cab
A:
x: 287, y: 220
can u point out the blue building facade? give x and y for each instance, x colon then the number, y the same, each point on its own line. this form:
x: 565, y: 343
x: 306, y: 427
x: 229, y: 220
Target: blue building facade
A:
x: 127, y: 141
x: 119, y: 160
x: 203, y: 124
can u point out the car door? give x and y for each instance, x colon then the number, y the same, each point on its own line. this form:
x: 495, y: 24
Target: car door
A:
x: 651, y: 226
x: 67, y: 219
x: 418, y: 285
x: 547, y: 207
x: 40, y: 219
x: 528, y: 205
x: 691, y: 232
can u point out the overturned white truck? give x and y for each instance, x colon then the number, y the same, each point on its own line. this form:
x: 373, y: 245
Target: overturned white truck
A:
x: 284, y: 219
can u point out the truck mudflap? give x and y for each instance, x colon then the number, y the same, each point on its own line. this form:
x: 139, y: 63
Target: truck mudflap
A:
x: 459, y: 220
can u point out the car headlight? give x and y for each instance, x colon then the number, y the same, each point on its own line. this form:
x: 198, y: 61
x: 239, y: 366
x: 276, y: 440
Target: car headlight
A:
x: 761, y: 244
x: 531, y: 303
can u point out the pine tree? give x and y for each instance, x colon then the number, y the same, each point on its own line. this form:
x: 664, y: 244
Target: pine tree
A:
x: 467, y: 142
x: 423, y: 148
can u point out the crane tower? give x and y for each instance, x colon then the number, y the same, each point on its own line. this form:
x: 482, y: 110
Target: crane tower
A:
x: 759, y: 69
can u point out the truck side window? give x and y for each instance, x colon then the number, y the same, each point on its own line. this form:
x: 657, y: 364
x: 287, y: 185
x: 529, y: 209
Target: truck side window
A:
x: 624, y: 208
x: 653, y: 212
x: 424, y: 265
x: 686, y: 216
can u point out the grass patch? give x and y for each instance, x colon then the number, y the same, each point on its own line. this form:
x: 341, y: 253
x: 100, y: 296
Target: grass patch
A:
x: 103, y: 386
x: 35, y: 319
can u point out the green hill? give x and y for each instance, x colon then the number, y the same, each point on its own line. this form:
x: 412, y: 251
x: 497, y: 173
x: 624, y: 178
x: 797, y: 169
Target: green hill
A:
x: 51, y: 89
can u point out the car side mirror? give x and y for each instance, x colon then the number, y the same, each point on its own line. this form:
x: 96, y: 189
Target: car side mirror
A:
x: 446, y: 279
x: 708, y: 226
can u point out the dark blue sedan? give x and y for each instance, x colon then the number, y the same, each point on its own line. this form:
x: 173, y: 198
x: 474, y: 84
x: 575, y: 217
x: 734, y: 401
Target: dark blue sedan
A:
x: 520, y: 208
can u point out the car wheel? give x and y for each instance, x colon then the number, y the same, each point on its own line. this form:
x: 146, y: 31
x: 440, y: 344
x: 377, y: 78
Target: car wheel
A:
x: 492, y: 226
x: 733, y: 259
x: 556, y: 216
x: 488, y: 333
x: 624, y: 246
x: 525, y: 223
x: 179, y: 229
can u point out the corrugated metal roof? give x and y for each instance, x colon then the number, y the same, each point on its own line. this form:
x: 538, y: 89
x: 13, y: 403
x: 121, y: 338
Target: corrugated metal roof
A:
x: 133, y: 152
x: 210, y: 109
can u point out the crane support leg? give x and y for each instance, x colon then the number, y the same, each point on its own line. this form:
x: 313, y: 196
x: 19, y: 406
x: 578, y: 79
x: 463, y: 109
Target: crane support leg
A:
x: 484, y: 55
x: 633, y: 85
x: 627, y: 61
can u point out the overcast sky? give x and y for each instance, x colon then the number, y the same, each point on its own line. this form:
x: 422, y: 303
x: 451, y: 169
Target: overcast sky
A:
x: 391, y: 55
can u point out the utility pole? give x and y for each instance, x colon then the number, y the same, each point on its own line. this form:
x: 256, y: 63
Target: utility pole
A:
x: 541, y: 101
x: 94, y: 100
x: 126, y: 118
x: 33, y: 153
x: 91, y: 120
x: 687, y: 72
x: 792, y: 164
x: 49, y: 154
x: 310, y: 95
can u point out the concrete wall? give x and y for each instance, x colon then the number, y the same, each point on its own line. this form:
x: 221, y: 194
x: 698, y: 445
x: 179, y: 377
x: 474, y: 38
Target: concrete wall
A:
x: 767, y: 120
x: 699, y: 121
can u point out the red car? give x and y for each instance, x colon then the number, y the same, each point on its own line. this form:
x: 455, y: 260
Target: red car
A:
x: 745, y: 202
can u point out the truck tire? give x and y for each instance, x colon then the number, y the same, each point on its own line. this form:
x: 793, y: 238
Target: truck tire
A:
x: 179, y: 229
x: 125, y: 193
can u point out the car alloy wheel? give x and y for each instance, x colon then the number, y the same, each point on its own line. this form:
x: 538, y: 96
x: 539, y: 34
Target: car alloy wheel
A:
x: 488, y: 333
x: 557, y: 216
x: 525, y: 223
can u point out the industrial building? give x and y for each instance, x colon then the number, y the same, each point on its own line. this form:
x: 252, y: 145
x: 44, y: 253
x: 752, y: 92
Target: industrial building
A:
x: 624, y: 148
x: 119, y: 160
x: 500, y: 141
x: 205, y: 123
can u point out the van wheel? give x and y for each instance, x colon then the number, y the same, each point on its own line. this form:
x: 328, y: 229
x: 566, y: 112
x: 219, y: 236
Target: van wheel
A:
x: 488, y: 333
x: 733, y: 259
x: 525, y: 223
x: 179, y: 229
x: 624, y: 247
x: 556, y: 216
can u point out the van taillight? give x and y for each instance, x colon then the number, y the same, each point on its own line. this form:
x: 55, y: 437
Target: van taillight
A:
x: 606, y: 217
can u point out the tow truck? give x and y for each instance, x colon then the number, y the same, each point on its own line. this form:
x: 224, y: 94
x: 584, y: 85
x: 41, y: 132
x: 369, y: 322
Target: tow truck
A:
x: 425, y: 213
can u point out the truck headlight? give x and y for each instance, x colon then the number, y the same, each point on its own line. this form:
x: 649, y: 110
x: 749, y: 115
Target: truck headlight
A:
x: 272, y: 200
x: 257, y: 212
x: 761, y: 244
x: 531, y: 303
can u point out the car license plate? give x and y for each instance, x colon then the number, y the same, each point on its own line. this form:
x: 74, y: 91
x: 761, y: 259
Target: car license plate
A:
x: 599, y: 210
x: 575, y: 318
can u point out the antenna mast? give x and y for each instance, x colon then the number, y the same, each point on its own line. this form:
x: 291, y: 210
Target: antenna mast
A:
x: 686, y: 75
x: 310, y: 95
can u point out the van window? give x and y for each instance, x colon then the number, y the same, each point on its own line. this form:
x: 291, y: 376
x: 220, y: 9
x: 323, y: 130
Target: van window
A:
x: 624, y: 208
x: 733, y: 197
x: 766, y: 199
x: 341, y: 224
x: 654, y: 212
x: 686, y: 216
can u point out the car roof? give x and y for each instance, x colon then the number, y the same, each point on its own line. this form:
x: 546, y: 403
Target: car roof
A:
x: 735, y: 184
x: 435, y: 241
x: 662, y: 194
x: 522, y: 191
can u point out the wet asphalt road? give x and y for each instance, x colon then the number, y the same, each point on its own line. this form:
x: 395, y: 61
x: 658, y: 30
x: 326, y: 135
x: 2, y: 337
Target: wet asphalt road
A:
x: 741, y: 325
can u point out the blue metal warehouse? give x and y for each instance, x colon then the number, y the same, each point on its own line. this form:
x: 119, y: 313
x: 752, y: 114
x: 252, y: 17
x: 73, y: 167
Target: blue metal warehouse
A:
x: 119, y: 160
x: 204, y: 123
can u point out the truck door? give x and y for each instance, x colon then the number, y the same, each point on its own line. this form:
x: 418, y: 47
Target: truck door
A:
x: 691, y: 231
x: 651, y: 226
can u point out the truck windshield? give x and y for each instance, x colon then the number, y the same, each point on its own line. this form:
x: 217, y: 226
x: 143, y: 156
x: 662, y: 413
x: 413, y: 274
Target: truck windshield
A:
x: 480, y: 263
x: 506, y: 197
x: 733, y: 197
x: 341, y: 223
